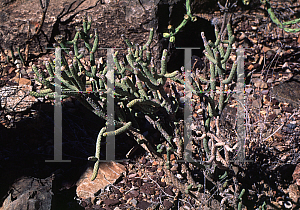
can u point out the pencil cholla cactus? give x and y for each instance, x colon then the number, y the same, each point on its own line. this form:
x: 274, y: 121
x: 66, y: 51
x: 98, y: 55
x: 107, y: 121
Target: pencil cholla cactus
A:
x: 139, y: 95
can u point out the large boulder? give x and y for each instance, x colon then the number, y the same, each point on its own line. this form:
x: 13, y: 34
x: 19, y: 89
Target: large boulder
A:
x: 112, y: 18
x: 29, y: 193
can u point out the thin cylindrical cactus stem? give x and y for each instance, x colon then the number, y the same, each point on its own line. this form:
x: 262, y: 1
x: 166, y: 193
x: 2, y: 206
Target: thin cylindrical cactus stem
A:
x: 119, y: 130
x: 212, y: 76
x: 49, y: 69
x: 95, y: 45
x: 147, y: 81
x: 136, y: 52
x: 141, y: 52
x: 218, y: 36
x: 131, y: 85
x: 276, y: 20
x: 163, y: 63
x: 126, y: 40
x: 148, y: 78
x: 97, y: 153
x: 207, y: 48
x: 168, y: 163
x: 227, y: 54
x: 75, y: 76
x: 20, y: 56
x: 142, y: 102
x: 171, y: 75
x: 141, y: 90
x: 232, y: 72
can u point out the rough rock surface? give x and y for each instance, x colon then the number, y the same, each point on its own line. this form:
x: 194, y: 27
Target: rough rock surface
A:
x: 108, y: 173
x: 29, y: 193
x: 289, y: 91
x: 111, y: 18
x: 16, y: 98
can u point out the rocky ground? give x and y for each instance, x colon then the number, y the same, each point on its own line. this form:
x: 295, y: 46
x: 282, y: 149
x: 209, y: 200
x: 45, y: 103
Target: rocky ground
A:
x: 271, y: 177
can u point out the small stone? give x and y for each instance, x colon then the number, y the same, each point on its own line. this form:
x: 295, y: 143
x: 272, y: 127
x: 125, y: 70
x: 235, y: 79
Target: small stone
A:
x: 87, y: 188
x: 143, y: 160
x: 134, y: 193
x: 181, y: 100
x: 167, y: 204
x: 265, y: 92
x: 130, y: 176
x: 283, y: 158
x: 288, y: 109
x: 111, y: 202
x: 174, y: 168
x: 296, y: 174
x: 179, y: 176
x: 172, y: 157
x: 277, y: 111
x: 162, y: 183
x: 22, y: 81
x: 256, y: 103
x: 288, y: 204
x: 152, y: 169
x: 133, y: 202
x: 276, y: 204
x: 186, y: 208
x: 242, y: 36
x: 291, y: 126
x: 260, y: 84
x: 250, y: 67
x: 143, y: 205
x: 98, y: 202
x: 271, y: 117
x: 169, y: 191
x: 248, y: 90
x: 254, y: 28
x: 285, y: 65
x: 23, y: 71
x: 17, y: 61
x: 155, y: 163
x: 298, y: 182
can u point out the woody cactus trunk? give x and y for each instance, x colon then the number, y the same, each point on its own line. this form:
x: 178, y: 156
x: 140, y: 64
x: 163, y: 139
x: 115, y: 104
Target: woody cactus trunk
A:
x: 139, y: 94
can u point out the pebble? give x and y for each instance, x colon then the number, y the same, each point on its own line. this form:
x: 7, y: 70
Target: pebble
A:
x: 288, y: 204
x: 291, y: 126
x: 179, y: 176
x: 248, y: 90
x: 260, y: 84
x: 265, y: 92
x: 277, y: 111
x: 270, y: 80
x: 133, y: 202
